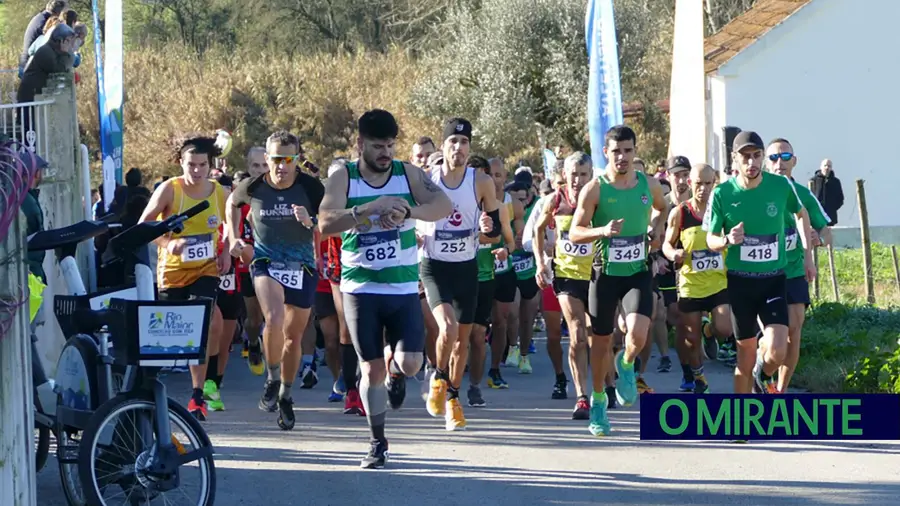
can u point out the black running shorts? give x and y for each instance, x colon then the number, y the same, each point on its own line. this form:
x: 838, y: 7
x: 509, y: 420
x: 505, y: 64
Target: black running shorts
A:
x: 372, y: 317
x: 577, y: 288
x: 247, y: 289
x: 302, y: 297
x: 454, y: 283
x: 797, y: 291
x: 230, y: 304
x: 706, y: 304
x: 204, y: 286
x: 485, y: 303
x: 635, y: 292
x: 528, y: 288
x: 325, y: 305
x: 752, y: 298
x: 505, y: 286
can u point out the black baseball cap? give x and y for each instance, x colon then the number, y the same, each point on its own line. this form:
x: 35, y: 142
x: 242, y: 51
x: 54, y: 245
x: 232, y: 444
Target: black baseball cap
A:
x: 523, y: 180
x: 677, y: 164
x: 747, y: 139
x: 28, y: 158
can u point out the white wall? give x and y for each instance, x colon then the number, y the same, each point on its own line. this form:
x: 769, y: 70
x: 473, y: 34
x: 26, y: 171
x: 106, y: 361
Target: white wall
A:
x: 826, y: 80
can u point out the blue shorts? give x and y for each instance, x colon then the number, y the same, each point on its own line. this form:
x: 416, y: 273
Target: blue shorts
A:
x: 299, y: 281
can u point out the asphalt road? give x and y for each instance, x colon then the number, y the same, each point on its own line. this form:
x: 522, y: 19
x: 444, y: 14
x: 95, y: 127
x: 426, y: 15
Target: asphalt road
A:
x: 521, y: 449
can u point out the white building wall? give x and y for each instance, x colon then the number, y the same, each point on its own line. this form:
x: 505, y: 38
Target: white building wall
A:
x: 826, y: 79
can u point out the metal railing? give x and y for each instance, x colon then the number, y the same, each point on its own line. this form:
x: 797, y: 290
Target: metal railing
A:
x: 27, y: 123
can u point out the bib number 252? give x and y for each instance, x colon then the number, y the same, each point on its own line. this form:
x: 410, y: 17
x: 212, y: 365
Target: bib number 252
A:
x: 453, y: 246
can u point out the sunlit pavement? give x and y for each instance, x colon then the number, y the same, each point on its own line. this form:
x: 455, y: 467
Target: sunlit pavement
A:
x: 521, y: 449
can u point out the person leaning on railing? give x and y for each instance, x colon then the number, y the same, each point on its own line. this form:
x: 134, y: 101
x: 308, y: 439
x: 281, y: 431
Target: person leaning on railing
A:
x: 52, y: 58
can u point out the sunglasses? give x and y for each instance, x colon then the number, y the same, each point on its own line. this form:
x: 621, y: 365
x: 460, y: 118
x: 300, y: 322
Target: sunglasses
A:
x: 785, y: 157
x: 287, y: 159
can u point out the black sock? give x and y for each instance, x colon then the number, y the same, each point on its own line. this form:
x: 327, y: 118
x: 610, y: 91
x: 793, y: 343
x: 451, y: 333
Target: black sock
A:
x: 454, y: 392
x: 637, y: 365
x: 493, y: 372
x: 686, y: 371
x: 218, y: 380
x: 348, y: 366
x: 212, y: 367
x: 197, y: 395
x: 441, y: 375
x: 378, y: 432
x: 561, y: 377
x: 254, y: 345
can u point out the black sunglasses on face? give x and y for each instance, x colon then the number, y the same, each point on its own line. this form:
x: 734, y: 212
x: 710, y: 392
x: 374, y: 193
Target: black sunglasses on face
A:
x: 785, y: 157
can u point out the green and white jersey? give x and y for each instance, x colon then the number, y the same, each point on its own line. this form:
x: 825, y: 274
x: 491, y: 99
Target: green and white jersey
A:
x: 763, y: 211
x: 374, y: 259
x: 818, y: 219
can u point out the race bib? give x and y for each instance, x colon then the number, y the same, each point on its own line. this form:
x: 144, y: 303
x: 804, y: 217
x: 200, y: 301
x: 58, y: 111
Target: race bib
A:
x: 759, y: 248
x: 453, y: 241
x: 570, y: 248
x: 706, y: 260
x: 523, y: 263
x: 790, y: 239
x: 483, y: 245
x: 289, y: 275
x: 501, y: 265
x: 625, y: 250
x: 379, y: 249
x: 197, y: 248
x: 226, y: 283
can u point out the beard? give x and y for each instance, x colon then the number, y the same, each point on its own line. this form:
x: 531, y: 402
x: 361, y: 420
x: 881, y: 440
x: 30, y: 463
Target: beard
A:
x: 373, y: 164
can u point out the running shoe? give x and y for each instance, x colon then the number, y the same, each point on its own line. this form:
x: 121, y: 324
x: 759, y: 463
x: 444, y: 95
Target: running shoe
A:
x: 539, y: 325
x: 665, y: 365
x: 255, y: 359
x: 308, y: 375
x: 212, y: 396
x: 532, y: 349
x: 286, y: 418
x: 353, y: 404
x: 339, y: 387
x: 643, y: 387
x: 687, y: 385
x: 475, y: 398
x: 701, y: 386
x: 512, y: 360
x: 626, y: 385
x: 377, y: 456
x: 437, y: 398
x: 198, y: 410
x: 496, y: 381
x: 426, y: 381
x: 396, y: 387
x: 599, y: 425
x: 524, y: 365
x: 320, y: 357
x: 454, y: 418
x: 245, y: 350
x: 560, y: 389
x: 710, y: 348
x: 582, y: 410
x: 269, y: 400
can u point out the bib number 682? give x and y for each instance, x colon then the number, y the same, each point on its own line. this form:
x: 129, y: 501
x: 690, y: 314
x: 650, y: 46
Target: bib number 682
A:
x: 382, y: 253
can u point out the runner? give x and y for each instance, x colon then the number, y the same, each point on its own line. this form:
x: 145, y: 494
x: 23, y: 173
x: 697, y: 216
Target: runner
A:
x: 490, y: 251
x: 571, y: 273
x: 449, y: 270
x: 524, y: 265
x: 702, y: 281
x: 505, y: 282
x: 746, y: 217
x: 421, y: 150
x: 616, y: 209
x: 328, y: 322
x: 283, y: 205
x: 374, y: 202
x: 253, y: 321
x: 187, y: 265
x: 435, y: 161
x: 780, y: 159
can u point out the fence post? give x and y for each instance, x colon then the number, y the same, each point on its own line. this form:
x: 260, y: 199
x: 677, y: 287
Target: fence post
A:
x: 896, y: 266
x: 834, y: 283
x: 866, y: 240
x: 17, y: 473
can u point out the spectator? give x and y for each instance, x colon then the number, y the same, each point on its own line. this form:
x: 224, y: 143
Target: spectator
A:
x: 53, y: 57
x: 34, y: 215
x: 69, y: 17
x: 134, y: 178
x: 36, y: 27
x: 48, y: 28
x: 95, y: 197
x: 827, y: 189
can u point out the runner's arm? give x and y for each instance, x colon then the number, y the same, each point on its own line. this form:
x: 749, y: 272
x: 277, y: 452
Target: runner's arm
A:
x: 660, y: 208
x: 672, y: 232
x: 486, y: 193
x: 528, y: 233
x: 334, y: 218
x: 518, y: 223
x: 159, y: 205
x: 433, y: 203
x: 540, y: 229
x: 581, y: 231
x: 506, y: 230
x: 714, y: 224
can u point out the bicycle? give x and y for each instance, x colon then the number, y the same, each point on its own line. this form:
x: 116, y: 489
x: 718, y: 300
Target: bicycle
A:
x: 147, y: 335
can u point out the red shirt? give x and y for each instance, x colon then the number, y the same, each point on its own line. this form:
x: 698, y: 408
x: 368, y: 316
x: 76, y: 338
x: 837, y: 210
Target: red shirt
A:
x: 246, y: 235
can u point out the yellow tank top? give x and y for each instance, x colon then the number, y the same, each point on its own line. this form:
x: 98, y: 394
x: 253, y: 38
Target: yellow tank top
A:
x: 570, y: 260
x: 201, y: 236
x: 703, y: 271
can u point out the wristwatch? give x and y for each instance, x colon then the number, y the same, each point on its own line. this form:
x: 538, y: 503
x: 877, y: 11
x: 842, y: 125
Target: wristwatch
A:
x: 727, y: 241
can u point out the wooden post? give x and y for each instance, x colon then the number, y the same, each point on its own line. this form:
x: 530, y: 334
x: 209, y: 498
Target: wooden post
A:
x: 815, y: 253
x: 896, y: 266
x: 834, y: 283
x: 866, y: 240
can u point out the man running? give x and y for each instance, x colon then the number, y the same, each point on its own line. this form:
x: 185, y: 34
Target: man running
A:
x: 421, y: 150
x: 283, y: 205
x: 571, y: 274
x: 615, y: 209
x: 746, y: 217
x: 524, y: 265
x: 490, y: 251
x: 375, y: 203
x: 780, y: 159
x: 701, y: 277
x: 187, y: 264
x: 449, y: 269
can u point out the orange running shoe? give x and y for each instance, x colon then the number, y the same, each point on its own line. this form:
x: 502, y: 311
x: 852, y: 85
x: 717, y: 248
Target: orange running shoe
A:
x: 437, y: 398
x: 198, y: 410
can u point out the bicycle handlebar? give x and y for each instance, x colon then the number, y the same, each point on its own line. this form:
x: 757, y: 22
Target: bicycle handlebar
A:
x: 144, y: 233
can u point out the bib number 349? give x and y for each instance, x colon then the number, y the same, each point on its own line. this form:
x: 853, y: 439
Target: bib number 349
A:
x: 626, y: 249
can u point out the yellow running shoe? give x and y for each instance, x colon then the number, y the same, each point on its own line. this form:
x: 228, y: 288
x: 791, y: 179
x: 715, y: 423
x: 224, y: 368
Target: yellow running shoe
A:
x: 643, y: 387
x: 455, y: 418
x: 437, y: 397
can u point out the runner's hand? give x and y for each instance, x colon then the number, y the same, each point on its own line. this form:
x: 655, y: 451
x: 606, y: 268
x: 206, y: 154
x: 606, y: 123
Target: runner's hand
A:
x: 501, y: 253
x: 238, y: 248
x: 662, y: 265
x: 392, y: 219
x: 542, y: 277
x: 386, y: 204
x: 613, y: 228
x: 302, y: 215
x: 175, y: 246
x: 810, y: 267
x: 223, y: 262
x: 485, y: 223
x: 736, y: 236
x: 679, y: 258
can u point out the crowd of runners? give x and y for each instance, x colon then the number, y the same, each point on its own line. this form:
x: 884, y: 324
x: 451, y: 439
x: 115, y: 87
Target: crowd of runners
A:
x: 420, y: 268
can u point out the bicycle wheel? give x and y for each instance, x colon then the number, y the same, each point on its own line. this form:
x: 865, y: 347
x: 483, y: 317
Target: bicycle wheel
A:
x: 113, y: 454
x: 41, y: 446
